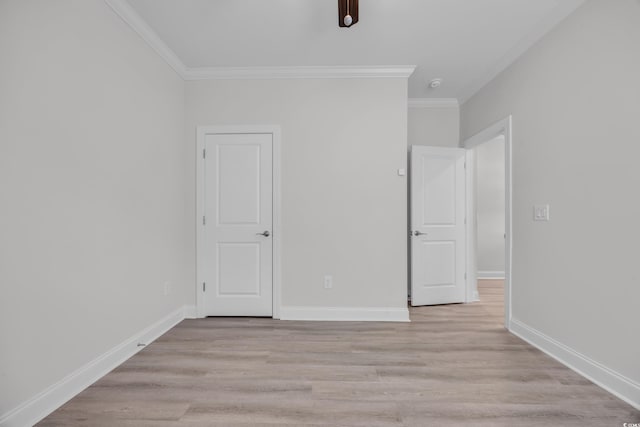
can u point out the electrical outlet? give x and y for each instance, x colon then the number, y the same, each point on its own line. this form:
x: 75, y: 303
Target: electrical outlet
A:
x: 328, y: 282
x: 167, y: 288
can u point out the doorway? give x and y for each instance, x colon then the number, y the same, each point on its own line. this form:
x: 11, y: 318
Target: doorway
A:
x: 490, y: 200
x: 237, y: 221
x: 489, y: 230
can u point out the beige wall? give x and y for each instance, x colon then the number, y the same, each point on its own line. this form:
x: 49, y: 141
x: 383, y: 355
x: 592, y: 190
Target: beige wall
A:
x: 343, y: 205
x: 434, y: 126
x: 91, y: 183
x: 575, y: 100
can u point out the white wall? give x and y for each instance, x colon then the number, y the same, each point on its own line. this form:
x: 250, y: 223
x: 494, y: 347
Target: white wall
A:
x: 434, y: 126
x: 91, y: 183
x: 343, y: 205
x: 490, y: 197
x: 575, y: 146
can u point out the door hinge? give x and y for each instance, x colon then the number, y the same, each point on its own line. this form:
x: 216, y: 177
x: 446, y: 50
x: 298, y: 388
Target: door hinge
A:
x: 204, y: 286
x: 204, y: 220
x: 465, y: 276
x: 204, y: 153
x: 465, y: 221
x: 465, y: 165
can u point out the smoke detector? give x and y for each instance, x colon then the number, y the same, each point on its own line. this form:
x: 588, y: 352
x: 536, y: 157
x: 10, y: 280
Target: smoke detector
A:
x: 435, y: 83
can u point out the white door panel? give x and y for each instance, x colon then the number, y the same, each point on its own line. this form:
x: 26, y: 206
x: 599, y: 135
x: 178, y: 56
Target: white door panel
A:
x: 238, y: 269
x: 438, y: 190
x: 437, y: 223
x: 238, y: 174
x: 238, y: 246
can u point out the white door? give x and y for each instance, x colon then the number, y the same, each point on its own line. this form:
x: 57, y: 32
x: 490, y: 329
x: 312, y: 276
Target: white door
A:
x: 438, y: 234
x: 238, y: 240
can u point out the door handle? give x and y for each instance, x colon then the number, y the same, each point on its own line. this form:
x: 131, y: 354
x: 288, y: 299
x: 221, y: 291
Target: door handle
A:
x: 419, y: 233
x: 265, y: 234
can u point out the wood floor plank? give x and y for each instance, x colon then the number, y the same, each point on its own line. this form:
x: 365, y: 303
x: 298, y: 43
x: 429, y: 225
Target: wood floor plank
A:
x: 452, y: 365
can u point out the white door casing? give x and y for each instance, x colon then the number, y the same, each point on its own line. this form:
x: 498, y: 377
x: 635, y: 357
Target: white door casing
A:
x: 237, y: 229
x: 438, y: 231
x: 502, y: 127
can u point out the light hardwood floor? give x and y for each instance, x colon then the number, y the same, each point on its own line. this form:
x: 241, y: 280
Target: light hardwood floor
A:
x: 452, y: 365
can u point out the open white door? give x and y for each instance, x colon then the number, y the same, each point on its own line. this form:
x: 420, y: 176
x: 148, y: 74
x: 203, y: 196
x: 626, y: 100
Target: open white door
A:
x: 438, y: 232
x: 237, y: 244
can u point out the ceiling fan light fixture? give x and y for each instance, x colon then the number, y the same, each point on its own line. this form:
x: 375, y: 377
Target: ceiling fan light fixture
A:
x: 347, y: 13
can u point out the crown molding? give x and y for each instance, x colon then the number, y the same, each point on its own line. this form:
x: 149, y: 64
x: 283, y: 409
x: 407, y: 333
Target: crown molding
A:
x: 123, y: 9
x: 433, y: 103
x: 565, y: 8
x: 299, y: 72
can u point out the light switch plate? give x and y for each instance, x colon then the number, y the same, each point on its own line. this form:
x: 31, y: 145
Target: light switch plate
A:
x: 402, y: 172
x: 541, y: 212
x: 328, y: 282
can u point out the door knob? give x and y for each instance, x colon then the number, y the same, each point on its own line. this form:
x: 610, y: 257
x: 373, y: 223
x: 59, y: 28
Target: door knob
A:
x: 419, y: 233
x: 265, y: 233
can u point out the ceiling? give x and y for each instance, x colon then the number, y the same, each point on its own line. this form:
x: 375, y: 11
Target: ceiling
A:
x: 464, y: 42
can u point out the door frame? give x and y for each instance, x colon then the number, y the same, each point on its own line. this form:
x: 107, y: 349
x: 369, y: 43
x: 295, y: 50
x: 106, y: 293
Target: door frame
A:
x: 502, y: 127
x: 201, y: 133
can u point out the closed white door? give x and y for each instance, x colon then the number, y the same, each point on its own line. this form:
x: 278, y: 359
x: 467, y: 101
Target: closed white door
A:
x: 238, y: 240
x: 438, y: 234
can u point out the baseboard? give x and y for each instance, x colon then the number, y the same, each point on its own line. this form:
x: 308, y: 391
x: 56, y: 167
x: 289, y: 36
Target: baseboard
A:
x: 610, y: 380
x: 349, y: 314
x: 50, y: 399
x: 497, y: 275
x: 190, y: 312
